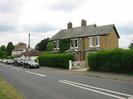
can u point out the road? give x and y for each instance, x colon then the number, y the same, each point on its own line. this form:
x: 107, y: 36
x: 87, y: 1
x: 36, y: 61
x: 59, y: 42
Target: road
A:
x: 61, y: 84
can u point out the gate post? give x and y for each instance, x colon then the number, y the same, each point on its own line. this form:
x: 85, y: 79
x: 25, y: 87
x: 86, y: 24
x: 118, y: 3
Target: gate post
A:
x: 70, y: 65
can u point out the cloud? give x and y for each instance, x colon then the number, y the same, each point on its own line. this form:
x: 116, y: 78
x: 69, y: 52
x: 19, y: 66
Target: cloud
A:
x: 126, y: 28
x: 9, y: 6
x: 125, y: 40
x: 39, y: 28
x: 6, y: 28
x: 66, y: 5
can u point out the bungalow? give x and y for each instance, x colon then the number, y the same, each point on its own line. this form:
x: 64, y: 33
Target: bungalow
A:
x: 87, y: 38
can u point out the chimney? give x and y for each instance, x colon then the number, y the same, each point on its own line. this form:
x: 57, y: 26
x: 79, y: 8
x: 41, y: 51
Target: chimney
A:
x: 83, y: 22
x: 69, y: 25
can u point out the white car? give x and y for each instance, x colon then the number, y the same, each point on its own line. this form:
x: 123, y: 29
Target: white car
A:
x: 31, y: 64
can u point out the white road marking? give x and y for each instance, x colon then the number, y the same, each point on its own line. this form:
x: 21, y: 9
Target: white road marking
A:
x: 102, y: 89
x: 36, y: 74
x: 15, y: 68
x: 96, y: 89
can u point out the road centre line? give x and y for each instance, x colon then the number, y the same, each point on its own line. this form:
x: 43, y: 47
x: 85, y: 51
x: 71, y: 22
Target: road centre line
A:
x: 15, y: 68
x: 102, y: 89
x: 96, y: 89
x: 35, y: 73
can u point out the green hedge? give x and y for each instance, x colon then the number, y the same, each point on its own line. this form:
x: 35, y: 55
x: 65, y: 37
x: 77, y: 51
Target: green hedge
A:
x: 117, y: 60
x: 55, y: 60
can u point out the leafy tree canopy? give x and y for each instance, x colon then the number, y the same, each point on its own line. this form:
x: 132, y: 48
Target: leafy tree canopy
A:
x: 42, y: 45
x: 131, y: 46
x: 9, y: 48
x: 64, y: 45
x: 50, y: 46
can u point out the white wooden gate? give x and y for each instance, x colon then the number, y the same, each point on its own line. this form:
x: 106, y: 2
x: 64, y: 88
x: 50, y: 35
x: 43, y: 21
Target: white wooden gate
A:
x: 76, y: 65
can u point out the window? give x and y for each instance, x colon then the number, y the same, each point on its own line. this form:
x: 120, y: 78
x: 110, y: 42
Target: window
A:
x: 74, y: 43
x: 71, y: 44
x: 56, y: 44
x: 91, y: 42
x: 97, y: 41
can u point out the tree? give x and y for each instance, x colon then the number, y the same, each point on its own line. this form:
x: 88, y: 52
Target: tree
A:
x: 10, y: 47
x: 131, y: 46
x: 42, y: 45
x: 50, y: 46
x: 3, y: 54
x: 64, y: 45
x: 3, y: 48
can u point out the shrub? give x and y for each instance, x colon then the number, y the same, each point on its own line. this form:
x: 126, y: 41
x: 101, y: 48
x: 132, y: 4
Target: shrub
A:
x: 117, y: 60
x: 55, y: 60
x: 64, y: 45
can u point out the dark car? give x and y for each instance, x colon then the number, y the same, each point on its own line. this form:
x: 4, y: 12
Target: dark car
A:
x: 18, y: 62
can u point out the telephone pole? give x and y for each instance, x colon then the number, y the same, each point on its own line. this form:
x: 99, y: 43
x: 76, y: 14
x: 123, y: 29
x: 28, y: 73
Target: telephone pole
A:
x: 29, y: 46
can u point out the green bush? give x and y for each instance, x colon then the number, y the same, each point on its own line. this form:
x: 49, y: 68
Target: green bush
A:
x: 117, y: 60
x: 64, y: 45
x: 55, y: 60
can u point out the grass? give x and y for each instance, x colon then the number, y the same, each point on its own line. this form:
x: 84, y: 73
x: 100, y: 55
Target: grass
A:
x: 7, y: 91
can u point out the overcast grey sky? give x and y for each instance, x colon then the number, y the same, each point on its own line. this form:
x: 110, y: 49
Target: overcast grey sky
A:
x: 44, y: 18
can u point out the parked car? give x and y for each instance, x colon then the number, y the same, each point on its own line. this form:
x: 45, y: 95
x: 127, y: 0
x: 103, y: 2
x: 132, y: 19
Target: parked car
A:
x: 18, y: 62
x: 31, y: 64
x: 9, y: 61
x: 4, y: 60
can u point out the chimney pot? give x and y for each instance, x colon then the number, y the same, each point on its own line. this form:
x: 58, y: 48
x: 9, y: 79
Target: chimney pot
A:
x: 83, y: 22
x: 69, y: 25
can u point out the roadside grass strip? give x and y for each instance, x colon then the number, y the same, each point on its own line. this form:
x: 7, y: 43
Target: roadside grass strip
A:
x: 35, y: 73
x: 103, y: 91
x: 7, y: 91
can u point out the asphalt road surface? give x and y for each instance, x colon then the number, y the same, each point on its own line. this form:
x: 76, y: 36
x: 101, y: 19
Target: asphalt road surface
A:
x: 61, y: 84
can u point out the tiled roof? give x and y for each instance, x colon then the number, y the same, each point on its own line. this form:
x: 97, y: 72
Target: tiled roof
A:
x: 30, y: 53
x: 89, y: 30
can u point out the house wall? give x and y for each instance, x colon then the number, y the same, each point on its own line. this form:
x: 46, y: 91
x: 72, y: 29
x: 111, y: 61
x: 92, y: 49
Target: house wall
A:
x: 112, y: 40
x: 85, y: 43
x: 27, y: 57
x: 17, y: 52
x: 103, y: 42
x: 107, y: 42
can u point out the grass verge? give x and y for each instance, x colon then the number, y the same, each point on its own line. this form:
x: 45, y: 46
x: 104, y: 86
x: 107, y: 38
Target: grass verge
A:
x: 7, y: 91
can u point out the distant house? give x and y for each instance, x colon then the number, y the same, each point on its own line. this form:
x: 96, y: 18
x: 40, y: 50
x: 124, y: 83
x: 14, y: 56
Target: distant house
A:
x: 19, y: 48
x: 87, y: 38
x: 32, y: 55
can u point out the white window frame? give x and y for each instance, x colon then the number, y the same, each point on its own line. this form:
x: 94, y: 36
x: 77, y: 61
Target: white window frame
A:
x: 56, y: 44
x: 74, y: 44
x: 97, y: 41
x: 91, y: 44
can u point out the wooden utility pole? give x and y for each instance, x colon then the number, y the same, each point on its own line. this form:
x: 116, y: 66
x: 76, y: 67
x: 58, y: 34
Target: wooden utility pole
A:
x: 29, y: 47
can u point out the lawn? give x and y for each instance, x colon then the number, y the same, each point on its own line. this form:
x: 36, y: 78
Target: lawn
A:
x: 7, y: 91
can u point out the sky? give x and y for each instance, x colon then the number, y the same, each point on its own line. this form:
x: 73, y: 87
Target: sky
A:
x: 44, y: 18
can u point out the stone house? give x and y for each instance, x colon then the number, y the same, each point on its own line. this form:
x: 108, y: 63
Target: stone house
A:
x: 19, y: 48
x: 87, y: 38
